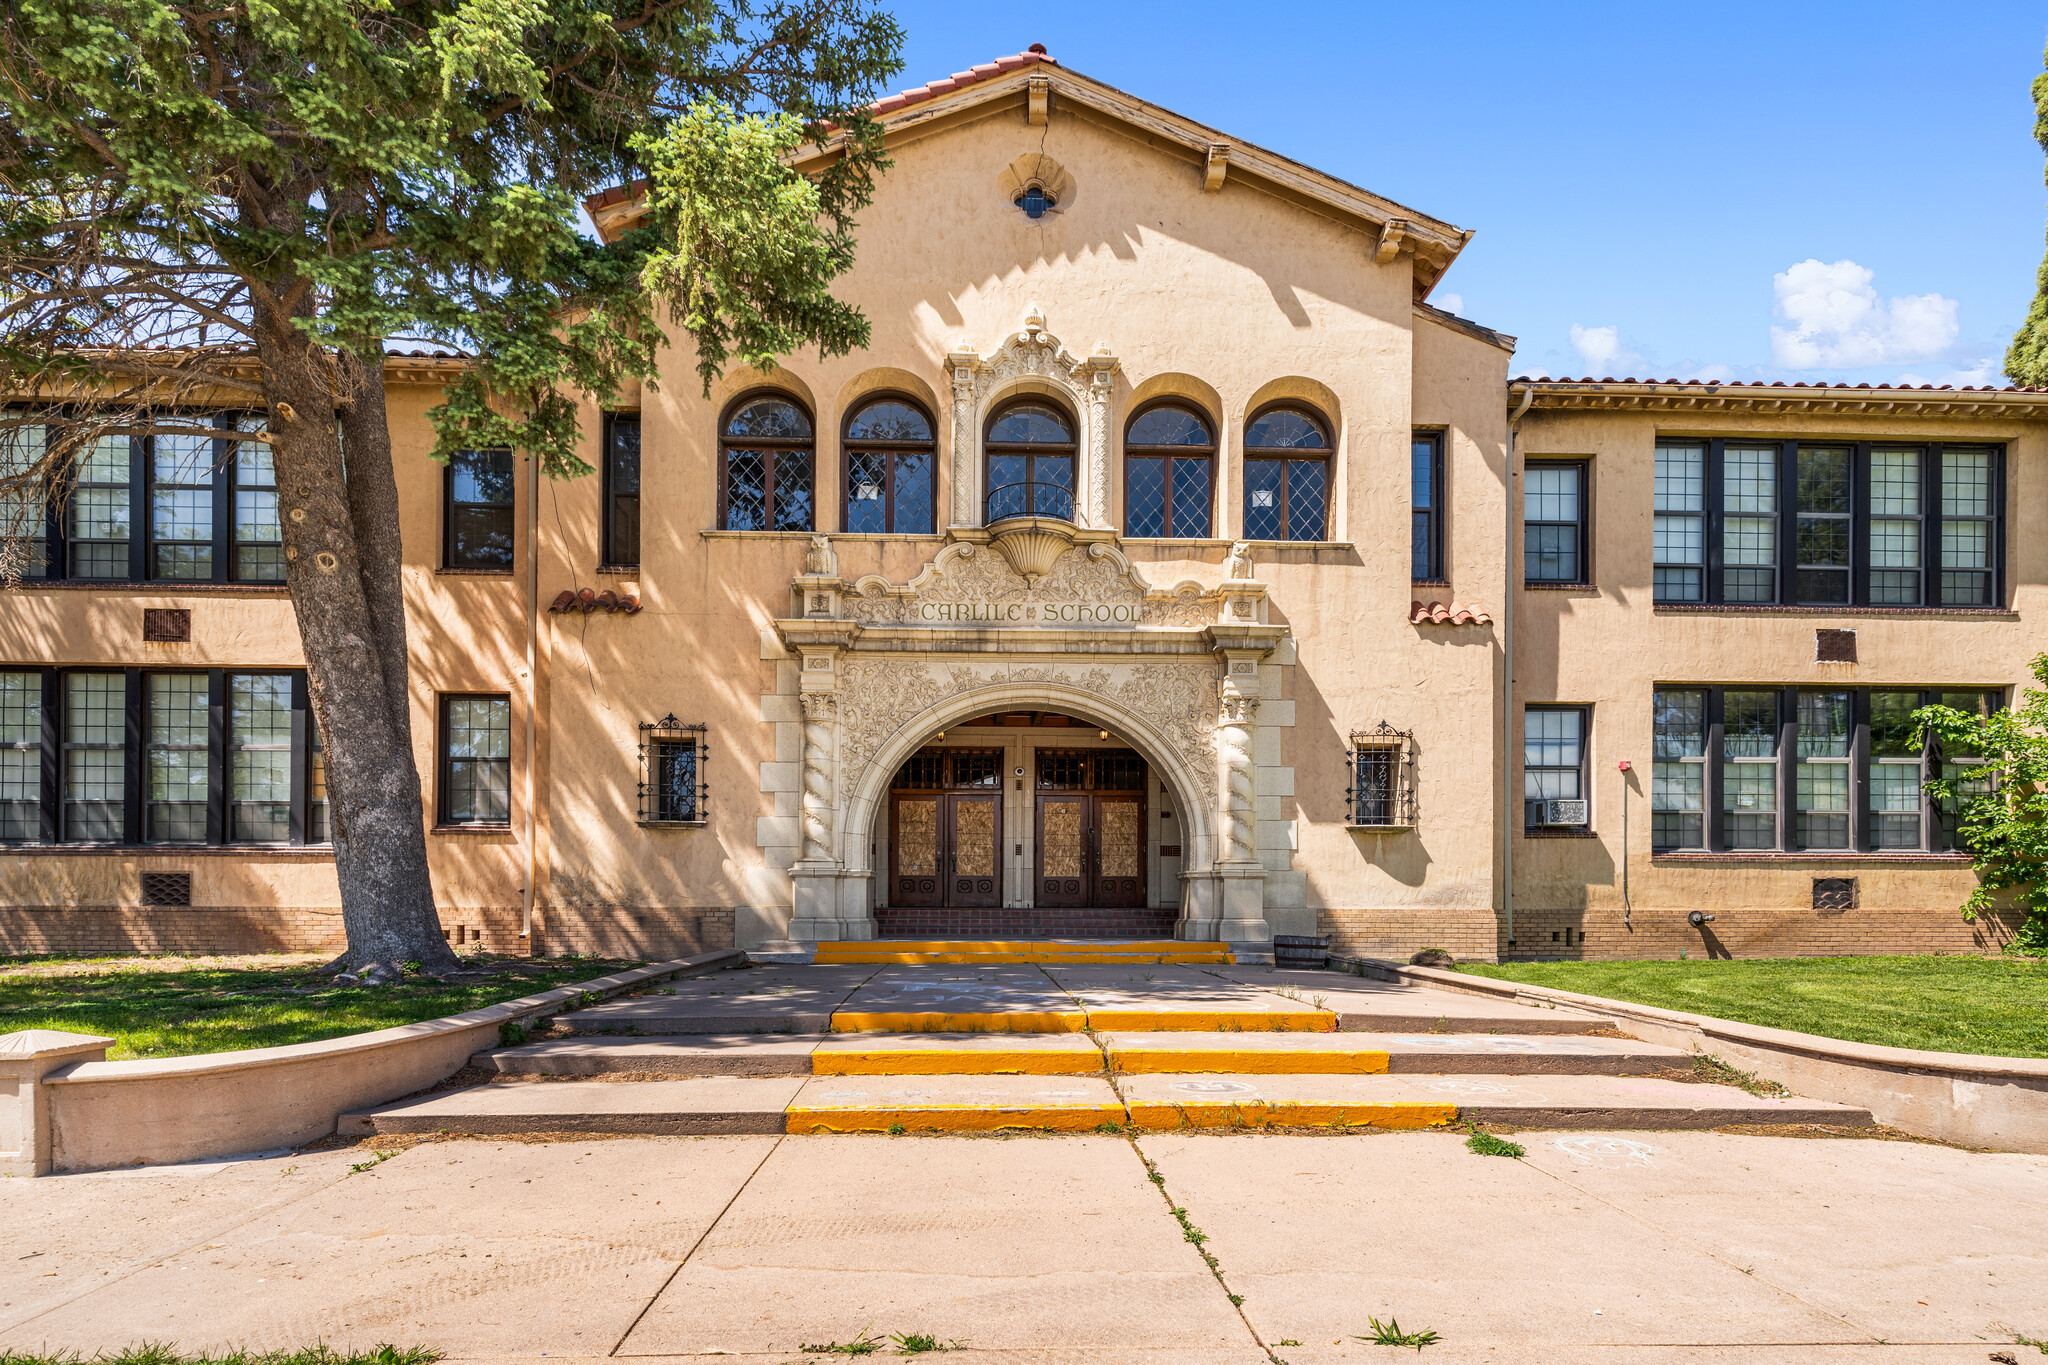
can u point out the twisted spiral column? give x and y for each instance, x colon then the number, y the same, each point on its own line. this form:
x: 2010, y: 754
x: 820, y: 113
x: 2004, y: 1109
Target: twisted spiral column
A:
x: 820, y: 712
x: 1239, y: 807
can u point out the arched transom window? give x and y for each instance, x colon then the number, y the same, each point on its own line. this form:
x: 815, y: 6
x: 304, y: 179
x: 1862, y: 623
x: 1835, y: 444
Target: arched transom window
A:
x: 1286, y: 475
x: 766, y: 466
x: 1030, y: 449
x: 890, y: 462
x: 1169, y: 459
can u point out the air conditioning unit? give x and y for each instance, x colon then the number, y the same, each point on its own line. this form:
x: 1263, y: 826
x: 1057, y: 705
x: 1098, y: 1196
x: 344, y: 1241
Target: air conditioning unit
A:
x: 1561, y: 812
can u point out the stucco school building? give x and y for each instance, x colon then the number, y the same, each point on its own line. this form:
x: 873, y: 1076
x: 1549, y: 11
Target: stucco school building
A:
x: 1168, y: 565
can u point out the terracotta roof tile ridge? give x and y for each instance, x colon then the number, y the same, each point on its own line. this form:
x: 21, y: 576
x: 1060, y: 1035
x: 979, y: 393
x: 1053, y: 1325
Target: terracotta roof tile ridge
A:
x: 1815, y: 384
x: 1437, y: 614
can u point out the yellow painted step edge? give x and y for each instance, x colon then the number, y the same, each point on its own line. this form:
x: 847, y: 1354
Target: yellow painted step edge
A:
x: 951, y: 1118
x: 952, y: 1062
x: 917, y: 1021
x: 1211, y: 1021
x: 1170, y: 1061
x: 1160, y: 1116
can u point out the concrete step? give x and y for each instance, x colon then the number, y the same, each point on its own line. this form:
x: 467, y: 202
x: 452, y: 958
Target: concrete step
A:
x: 706, y: 1104
x: 925, y: 952
x: 1304, y: 1054
x: 753, y: 1000
x: 957, y: 1054
x: 1153, y: 999
x: 995, y: 999
x: 703, y: 1054
x: 954, y: 1104
x: 1259, y: 1101
x: 1367, y: 1006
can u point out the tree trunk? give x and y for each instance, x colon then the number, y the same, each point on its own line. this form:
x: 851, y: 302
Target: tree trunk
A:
x: 341, y: 537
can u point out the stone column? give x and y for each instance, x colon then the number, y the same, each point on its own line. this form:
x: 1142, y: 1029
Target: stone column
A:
x: 966, y: 462
x: 821, y: 717
x: 1240, y: 806
x: 818, y: 872
x: 1101, y: 368
x: 1240, y: 874
x: 27, y: 1140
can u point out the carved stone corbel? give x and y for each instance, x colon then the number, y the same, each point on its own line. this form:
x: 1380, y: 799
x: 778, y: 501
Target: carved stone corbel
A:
x: 1391, y: 237
x: 1038, y: 103
x: 1216, y: 167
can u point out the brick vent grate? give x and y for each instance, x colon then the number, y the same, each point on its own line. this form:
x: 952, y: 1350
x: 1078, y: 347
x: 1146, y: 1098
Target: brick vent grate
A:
x: 1834, y: 893
x: 167, y: 888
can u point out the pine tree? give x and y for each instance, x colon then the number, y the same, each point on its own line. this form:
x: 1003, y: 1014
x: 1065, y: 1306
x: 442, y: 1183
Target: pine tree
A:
x: 2026, y: 360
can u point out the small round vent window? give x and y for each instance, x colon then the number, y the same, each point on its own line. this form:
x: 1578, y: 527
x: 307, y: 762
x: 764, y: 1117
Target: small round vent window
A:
x: 1034, y: 201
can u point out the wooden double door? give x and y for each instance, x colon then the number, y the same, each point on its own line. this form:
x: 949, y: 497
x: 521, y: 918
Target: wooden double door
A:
x: 946, y: 830
x: 1091, y: 828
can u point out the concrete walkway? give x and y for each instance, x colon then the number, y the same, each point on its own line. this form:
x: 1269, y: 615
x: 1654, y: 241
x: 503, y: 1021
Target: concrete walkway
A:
x: 1602, y: 1247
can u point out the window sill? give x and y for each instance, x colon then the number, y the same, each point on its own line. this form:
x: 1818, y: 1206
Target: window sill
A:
x: 1429, y: 582
x: 502, y: 831
x: 1679, y: 858
x: 674, y: 824
x: 472, y: 573
x: 269, y: 852
x: 1560, y: 587
x: 1775, y: 609
x: 1567, y: 833
x: 1379, y: 829
x: 617, y: 570
x: 153, y: 588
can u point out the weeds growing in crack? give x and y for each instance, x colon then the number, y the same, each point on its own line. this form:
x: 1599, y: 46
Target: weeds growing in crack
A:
x: 917, y: 1343
x: 1486, y: 1144
x: 377, y: 1160
x: 1717, y: 1072
x: 1389, y: 1333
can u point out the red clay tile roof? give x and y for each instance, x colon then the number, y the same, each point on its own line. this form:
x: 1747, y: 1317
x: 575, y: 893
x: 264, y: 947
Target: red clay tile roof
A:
x: 1031, y: 56
x: 1778, y: 384
x: 589, y: 600
x: 1437, y: 614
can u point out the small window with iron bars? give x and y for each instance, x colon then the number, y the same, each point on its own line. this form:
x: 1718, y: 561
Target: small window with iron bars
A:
x: 672, y: 764
x: 1382, y: 790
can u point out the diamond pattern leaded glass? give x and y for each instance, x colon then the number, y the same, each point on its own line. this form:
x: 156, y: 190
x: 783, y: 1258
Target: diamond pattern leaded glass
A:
x: 914, y: 496
x: 793, y: 488
x: 1145, y: 496
x: 1191, y: 499
x: 867, y: 492
x: 746, y: 490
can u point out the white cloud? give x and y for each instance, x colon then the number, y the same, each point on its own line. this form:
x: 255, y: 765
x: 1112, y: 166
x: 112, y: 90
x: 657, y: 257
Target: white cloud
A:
x: 1451, y: 303
x: 1838, y: 321
x: 1601, y: 349
x: 1528, y: 372
x: 1975, y: 373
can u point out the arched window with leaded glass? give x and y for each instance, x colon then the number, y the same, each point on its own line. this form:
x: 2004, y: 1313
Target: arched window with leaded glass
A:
x: 766, y: 466
x: 1030, y: 448
x: 1169, y: 472
x: 1286, y: 475
x: 891, y: 464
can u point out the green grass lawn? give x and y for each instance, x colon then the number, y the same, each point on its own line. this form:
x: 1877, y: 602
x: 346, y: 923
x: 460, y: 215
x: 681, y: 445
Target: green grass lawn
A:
x: 1943, y: 1004
x: 157, y: 1007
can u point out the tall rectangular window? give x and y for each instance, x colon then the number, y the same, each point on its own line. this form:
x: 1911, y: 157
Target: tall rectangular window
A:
x: 1680, y: 531
x: 479, y: 527
x: 1897, y: 758
x: 1553, y: 763
x: 21, y: 758
x: 181, y: 508
x: 175, y: 759
x: 260, y: 758
x: 1822, y: 537
x: 675, y: 780
x: 1749, y: 769
x: 24, y: 516
x: 1967, y: 532
x: 1426, y: 502
x: 1749, y: 524
x: 1554, y: 523
x: 95, y: 740
x: 622, y: 489
x: 1895, y: 536
x: 98, y: 530
x: 319, y: 821
x: 259, y: 538
x: 1822, y: 781
x: 1678, y: 768
x: 476, y: 760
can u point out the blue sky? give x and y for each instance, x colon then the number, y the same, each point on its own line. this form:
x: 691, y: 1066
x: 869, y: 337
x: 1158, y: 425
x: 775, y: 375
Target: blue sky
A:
x: 1788, y: 191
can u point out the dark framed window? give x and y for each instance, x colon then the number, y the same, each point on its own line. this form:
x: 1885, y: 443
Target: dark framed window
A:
x: 1426, y: 506
x: 622, y: 489
x: 1169, y: 472
x: 1030, y: 461
x: 1554, y: 794
x: 1381, y: 794
x: 767, y: 467
x: 161, y: 757
x: 479, y: 507
x: 1287, y: 482
x: 673, y: 761
x: 1847, y: 523
x: 24, y: 516
x: 1554, y: 522
x: 476, y: 759
x: 206, y: 503
x: 891, y: 468
x: 1800, y: 769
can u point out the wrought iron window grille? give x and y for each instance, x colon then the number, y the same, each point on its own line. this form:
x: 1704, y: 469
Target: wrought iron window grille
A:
x: 1381, y: 794
x: 673, y: 760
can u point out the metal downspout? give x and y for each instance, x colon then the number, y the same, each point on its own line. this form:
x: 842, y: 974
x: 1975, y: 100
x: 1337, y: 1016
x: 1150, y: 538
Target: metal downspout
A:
x: 532, y: 688
x: 1507, y: 694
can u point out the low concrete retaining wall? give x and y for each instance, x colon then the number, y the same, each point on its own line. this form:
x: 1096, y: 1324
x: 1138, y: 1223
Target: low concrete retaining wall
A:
x: 95, y: 1114
x: 1997, y: 1102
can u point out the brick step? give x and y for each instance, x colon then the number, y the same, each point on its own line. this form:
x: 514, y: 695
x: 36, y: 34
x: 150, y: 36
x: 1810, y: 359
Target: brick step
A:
x: 826, y: 1104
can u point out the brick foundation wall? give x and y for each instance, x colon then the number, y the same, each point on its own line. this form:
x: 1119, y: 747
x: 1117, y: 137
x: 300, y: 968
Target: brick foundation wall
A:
x: 651, y: 933
x: 1583, y: 935
x: 114, y: 930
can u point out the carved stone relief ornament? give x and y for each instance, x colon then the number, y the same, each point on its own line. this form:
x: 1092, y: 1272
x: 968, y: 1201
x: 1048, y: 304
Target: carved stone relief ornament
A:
x: 821, y: 709
x: 1086, y: 585
x: 1032, y: 352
